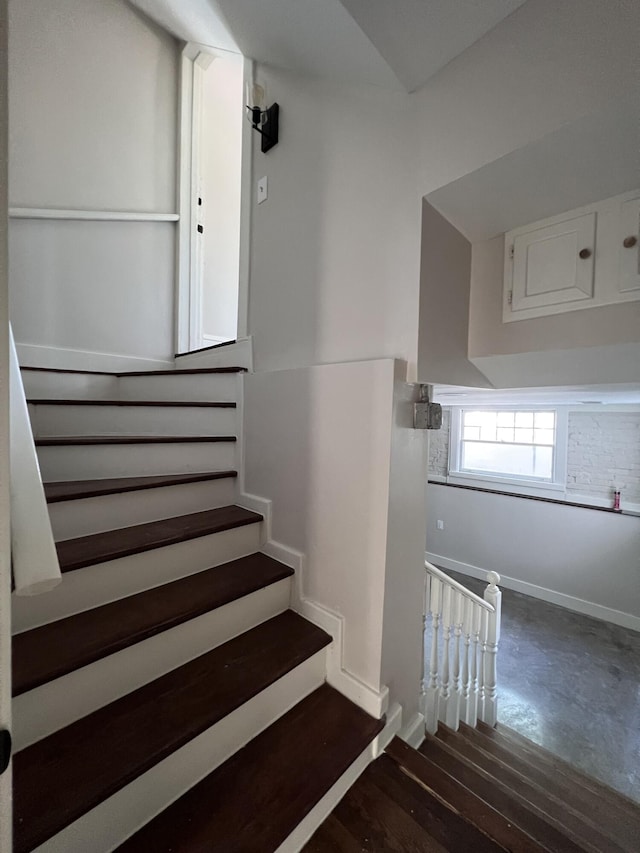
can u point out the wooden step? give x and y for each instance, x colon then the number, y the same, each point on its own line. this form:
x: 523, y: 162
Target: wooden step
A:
x: 619, y: 807
x: 84, y: 401
x: 72, y: 440
x: 113, y: 544
x: 560, y: 805
x: 45, y: 653
x: 77, y: 489
x: 65, y: 775
x: 461, y: 800
x: 253, y: 802
x: 386, y: 809
x: 169, y: 372
x: 515, y: 808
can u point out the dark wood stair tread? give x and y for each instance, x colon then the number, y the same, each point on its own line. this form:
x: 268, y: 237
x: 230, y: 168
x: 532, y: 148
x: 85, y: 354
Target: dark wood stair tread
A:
x: 61, y: 777
x: 53, y: 650
x: 73, y: 440
x: 86, y: 401
x: 252, y: 802
x: 542, y: 794
x: 506, y: 801
x: 460, y: 799
x: 69, y: 490
x: 552, y: 765
x: 169, y: 372
x: 608, y: 820
x: 112, y: 544
x: 386, y: 809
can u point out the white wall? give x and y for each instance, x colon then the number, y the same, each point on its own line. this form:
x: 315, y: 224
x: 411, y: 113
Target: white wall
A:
x: 5, y: 561
x: 335, y: 248
x: 445, y: 279
x: 221, y: 155
x: 317, y: 443
x: 564, y: 554
x: 93, y: 101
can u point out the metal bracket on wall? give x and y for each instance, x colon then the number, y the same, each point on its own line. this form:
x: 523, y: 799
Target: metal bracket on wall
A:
x: 427, y: 415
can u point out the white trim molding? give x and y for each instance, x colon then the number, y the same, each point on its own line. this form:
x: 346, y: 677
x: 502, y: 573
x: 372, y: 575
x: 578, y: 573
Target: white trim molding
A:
x: 234, y: 354
x: 414, y: 732
x: 570, y: 602
x: 374, y: 702
x: 91, y: 215
x: 34, y: 355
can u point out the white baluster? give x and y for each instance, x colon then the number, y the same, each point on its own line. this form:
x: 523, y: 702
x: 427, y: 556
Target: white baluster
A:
x: 466, y: 630
x: 432, y: 691
x: 474, y: 695
x: 493, y: 596
x: 482, y: 649
x: 445, y: 681
x: 457, y: 615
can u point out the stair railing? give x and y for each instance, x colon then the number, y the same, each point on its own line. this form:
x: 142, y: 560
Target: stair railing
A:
x: 464, y: 632
x: 34, y: 560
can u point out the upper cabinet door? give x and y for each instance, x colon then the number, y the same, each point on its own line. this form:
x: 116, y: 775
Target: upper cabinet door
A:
x: 630, y: 246
x: 553, y: 265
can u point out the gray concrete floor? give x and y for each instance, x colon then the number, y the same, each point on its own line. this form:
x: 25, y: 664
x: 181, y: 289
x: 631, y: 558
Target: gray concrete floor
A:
x: 571, y: 684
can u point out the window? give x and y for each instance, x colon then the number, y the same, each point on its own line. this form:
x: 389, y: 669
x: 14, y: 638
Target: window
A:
x: 513, y: 446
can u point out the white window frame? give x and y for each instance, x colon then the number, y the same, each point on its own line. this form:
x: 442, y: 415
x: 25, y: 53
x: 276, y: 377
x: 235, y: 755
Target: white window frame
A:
x: 517, y: 485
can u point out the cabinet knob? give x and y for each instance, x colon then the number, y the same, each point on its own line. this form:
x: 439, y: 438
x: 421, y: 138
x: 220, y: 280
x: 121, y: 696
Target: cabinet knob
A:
x: 584, y: 254
x: 629, y: 242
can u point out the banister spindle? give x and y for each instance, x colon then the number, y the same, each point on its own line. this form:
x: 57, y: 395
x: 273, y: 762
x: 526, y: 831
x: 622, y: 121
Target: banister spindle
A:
x: 445, y: 681
x: 466, y: 629
x: 493, y: 596
x: 457, y: 615
x: 433, y: 687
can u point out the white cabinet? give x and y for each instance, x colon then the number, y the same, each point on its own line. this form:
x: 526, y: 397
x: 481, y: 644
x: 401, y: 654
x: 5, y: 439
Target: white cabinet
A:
x: 580, y: 259
x: 630, y: 252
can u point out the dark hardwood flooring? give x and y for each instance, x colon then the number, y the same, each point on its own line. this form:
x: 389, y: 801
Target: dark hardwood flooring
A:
x: 53, y: 650
x: 60, y: 778
x: 112, y: 544
x: 252, y: 802
x: 70, y: 490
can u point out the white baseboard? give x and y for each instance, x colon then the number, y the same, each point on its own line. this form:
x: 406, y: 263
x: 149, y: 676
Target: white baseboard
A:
x: 238, y: 354
x: 213, y: 340
x: 34, y: 355
x: 263, y: 507
x: 414, y: 732
x: 570, y: 602
x: 374, y: 702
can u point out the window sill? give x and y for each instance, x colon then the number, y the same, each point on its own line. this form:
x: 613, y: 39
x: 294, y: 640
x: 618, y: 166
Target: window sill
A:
x: 528, y: 488
x: 443, y: 481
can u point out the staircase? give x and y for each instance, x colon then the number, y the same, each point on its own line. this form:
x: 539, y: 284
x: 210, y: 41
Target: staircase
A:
x: 482, y: 789
x: 166, y: 697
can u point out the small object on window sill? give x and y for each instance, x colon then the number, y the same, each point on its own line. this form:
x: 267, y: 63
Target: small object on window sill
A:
x: 616, y: 502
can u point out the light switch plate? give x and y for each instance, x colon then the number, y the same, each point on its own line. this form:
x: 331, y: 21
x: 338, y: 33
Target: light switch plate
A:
x: 263, y: 190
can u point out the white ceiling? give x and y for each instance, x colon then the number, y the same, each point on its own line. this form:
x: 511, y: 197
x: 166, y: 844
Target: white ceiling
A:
x: 397, y: 44
x: 582, y: 395
x: 419, y: 37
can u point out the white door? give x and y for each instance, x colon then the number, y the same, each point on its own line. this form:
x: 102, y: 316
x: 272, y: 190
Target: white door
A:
x: 554, y: 264
x: 630, y: 246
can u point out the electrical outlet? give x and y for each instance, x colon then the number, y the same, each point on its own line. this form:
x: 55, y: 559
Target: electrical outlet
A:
x: 263, y: 190
x: 440, y: 524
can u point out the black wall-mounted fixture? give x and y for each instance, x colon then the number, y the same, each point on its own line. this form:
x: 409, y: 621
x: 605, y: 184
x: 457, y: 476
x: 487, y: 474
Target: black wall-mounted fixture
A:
x: 265, y: 120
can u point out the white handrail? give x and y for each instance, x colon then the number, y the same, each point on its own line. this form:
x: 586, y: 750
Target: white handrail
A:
x: 33, y: 552
x: 463, y: 631
x: 443, y: 576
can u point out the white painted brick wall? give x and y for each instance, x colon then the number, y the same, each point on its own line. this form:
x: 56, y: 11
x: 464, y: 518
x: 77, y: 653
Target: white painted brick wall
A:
x: 439, y: 447
x: 603, y: 454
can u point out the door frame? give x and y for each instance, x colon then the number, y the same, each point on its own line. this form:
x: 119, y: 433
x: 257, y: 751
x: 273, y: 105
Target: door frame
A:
x: 194, y: 60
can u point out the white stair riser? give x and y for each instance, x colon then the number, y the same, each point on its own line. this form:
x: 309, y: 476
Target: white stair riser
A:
x: 93, y: 461
x: 92, y: 586
x: 70, y: 519
x: 131, y: 420
x: 222, y: 387
x: 52, y: 706
x: 115, y: 819
x: 61, y: 386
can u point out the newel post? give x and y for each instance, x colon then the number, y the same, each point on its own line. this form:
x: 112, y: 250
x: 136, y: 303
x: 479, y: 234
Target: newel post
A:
x: 493, y: 596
